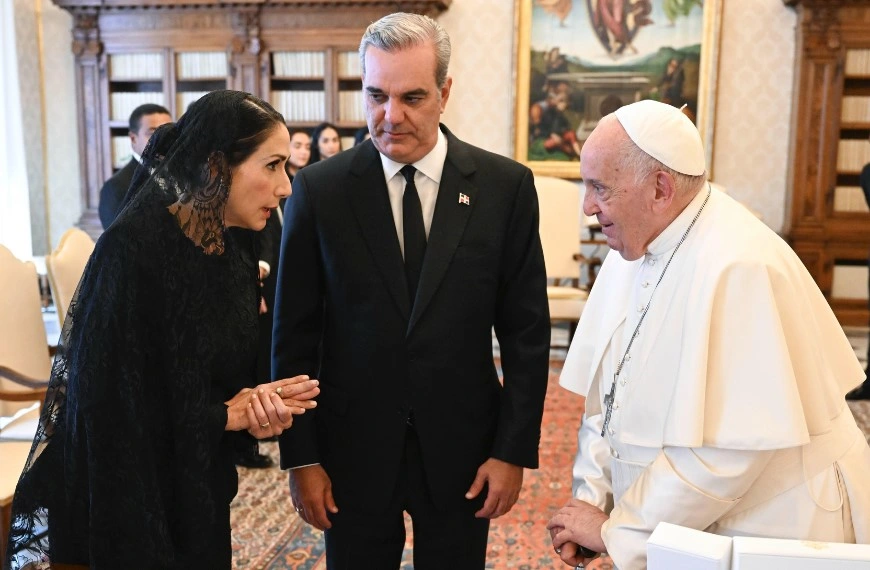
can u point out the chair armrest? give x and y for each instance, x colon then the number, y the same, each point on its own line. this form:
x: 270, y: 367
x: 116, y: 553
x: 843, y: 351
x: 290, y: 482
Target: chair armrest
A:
x: 18, y: 378
x: 23, y: 395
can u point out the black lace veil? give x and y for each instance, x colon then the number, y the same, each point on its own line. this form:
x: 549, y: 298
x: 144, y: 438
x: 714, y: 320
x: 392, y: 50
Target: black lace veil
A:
x: 97, y: 379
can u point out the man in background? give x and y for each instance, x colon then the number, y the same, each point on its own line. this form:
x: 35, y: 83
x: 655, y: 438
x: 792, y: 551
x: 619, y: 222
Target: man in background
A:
x: 144, y: 120
x: 399, y: 258
x: 713, y: 368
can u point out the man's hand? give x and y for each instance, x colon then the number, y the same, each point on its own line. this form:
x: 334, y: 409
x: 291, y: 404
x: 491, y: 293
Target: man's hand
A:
x: 504, y: 481
x: 577, y: 523
x: 311, y: 493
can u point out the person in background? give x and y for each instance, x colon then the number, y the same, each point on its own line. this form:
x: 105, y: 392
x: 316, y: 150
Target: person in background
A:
x: 325, y: 142
x: 392, y: 299
x: 144, y: 120
x: 863, y: 391
x: 300, y: 151
x: 362, y: 134
x: 132, y: 463
x: 248, y: 455
x: 713, y: 368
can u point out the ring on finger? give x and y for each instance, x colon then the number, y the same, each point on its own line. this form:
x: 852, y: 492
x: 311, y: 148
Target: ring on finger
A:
x: 279, y: 389
x: 265, y: 425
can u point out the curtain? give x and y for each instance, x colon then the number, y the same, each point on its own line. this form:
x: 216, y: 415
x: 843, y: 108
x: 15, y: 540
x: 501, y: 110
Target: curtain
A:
x: 14, y: 195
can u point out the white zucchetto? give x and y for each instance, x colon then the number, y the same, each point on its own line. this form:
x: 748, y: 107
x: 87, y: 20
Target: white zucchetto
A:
x: 666, y: 134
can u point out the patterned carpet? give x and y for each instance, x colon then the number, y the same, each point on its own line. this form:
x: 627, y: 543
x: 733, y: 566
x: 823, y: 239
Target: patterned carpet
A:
x: 267, y: 534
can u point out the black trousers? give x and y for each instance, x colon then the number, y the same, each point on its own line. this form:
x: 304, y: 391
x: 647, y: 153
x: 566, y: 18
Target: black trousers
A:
x: 443, y: 539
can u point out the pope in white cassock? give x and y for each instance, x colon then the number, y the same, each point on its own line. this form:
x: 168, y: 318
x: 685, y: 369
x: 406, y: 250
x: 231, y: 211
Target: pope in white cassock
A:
x: 714, y: 370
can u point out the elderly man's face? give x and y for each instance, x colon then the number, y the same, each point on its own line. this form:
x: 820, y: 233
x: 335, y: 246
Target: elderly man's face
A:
x: 623, y: 208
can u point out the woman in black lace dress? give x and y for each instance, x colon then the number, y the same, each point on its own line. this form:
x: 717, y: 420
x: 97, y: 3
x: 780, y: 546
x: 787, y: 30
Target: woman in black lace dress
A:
x: 132, y: 465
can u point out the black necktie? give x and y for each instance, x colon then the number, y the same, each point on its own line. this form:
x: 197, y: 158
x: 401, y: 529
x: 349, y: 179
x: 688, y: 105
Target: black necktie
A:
x: 414, y: 231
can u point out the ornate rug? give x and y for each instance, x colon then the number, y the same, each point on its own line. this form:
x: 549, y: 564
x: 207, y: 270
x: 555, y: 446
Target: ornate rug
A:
x: 267, y: 534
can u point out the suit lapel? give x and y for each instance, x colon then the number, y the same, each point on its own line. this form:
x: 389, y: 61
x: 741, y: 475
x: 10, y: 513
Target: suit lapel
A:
x: 448, y: 222
x: 370, y: 202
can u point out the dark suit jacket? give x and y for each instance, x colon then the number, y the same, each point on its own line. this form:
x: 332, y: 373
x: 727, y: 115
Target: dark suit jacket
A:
x: 113, y: 191
x: 269, y: 243
x: 343, y: 315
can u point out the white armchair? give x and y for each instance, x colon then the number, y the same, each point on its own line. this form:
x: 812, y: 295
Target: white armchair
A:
x: 25, y: 367
x: 559, y: 202
x: 65, y: 266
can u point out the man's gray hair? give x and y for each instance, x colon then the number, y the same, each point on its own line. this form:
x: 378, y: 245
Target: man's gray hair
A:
x: 634, y: 159
x: 401, y: 30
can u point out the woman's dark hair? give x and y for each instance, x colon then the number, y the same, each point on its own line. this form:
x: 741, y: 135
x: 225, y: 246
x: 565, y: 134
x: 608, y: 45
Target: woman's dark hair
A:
x: 296, y: 130
x: 315, y: 137
x: 218, y: 132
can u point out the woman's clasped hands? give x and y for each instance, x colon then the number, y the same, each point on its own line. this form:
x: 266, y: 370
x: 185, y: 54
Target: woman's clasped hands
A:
x: 267, y: 410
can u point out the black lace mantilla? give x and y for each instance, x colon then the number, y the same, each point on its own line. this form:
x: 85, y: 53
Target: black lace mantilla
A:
x: 131, y: 466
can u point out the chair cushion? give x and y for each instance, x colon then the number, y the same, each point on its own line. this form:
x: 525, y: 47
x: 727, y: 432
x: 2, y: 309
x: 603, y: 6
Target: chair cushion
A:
x: 13, y: 455
x: 559, y: 292
x: 21, y: 426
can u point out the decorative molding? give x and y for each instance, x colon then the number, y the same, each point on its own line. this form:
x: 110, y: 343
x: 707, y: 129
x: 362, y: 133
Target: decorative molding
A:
x: 86, y: 34
x: 431, y: 7
x: 822, y: 28
x: 246, y: 25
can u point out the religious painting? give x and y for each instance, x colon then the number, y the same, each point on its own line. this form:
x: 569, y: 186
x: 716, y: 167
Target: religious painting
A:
x: 578, y: 60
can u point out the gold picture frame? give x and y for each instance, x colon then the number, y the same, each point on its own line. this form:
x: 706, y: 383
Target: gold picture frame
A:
x: 581, y: 92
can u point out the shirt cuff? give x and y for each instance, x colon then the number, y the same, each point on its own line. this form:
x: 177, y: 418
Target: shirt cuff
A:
x: 301, y: 466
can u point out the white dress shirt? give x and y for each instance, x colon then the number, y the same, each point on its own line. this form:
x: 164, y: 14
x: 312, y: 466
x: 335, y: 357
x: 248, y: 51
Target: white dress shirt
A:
x: 427, y: 179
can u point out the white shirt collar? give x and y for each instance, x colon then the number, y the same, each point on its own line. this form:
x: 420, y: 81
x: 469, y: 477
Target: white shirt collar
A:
x: 136, y: 157
x: 670, y: 236
x: 432, y: 165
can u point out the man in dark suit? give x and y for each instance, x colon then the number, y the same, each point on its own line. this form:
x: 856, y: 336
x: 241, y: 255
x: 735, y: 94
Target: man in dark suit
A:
x: 399, y: 257
x: 144, y: 120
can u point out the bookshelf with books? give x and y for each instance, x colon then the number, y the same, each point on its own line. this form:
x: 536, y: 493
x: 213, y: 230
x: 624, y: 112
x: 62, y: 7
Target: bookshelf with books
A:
x: 299, y: 55
x: 312, y: 86
x: 830, y: 220
x: 197, y: 73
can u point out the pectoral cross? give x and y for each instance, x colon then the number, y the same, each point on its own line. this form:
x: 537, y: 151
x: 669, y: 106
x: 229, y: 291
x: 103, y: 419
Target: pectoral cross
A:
x: 608, y: 401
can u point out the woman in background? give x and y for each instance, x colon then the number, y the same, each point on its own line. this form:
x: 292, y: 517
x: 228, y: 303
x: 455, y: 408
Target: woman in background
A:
x: 325, y: 142
x: 300, y: 151
x: 132, y: 464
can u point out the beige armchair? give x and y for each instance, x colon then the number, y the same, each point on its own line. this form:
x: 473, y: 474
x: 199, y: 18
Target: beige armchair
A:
x: 65, y: 266
x: 25, y: 367
x: 25, y: 364
x: 560, y: 237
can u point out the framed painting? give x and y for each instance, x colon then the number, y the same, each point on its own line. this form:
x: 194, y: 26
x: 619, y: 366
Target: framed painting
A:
x: 578, y: 60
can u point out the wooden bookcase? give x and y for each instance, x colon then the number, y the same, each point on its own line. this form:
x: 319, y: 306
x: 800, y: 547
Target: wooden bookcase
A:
x: 300, y: 55
x: 829, y: 220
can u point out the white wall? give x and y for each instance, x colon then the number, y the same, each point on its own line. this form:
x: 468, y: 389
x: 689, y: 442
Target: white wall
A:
x: 481, y: 106
x: 752, y: 122
x: 753, y: 105
x: 48, y: 97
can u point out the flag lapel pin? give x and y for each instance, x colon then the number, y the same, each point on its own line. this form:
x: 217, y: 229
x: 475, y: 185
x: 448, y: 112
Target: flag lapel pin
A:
x: 464, y: 199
